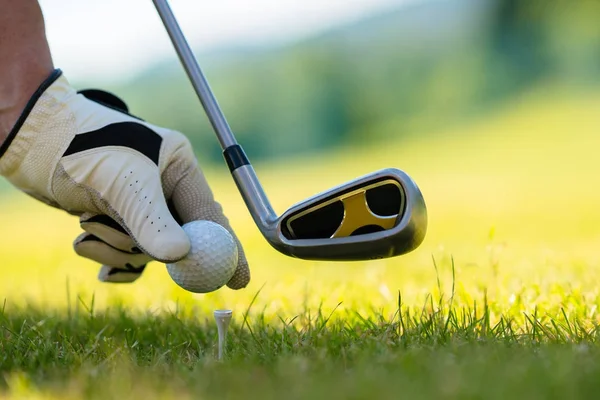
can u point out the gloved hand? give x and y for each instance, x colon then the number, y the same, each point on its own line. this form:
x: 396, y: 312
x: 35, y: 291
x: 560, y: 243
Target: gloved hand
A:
x: 131, y: 183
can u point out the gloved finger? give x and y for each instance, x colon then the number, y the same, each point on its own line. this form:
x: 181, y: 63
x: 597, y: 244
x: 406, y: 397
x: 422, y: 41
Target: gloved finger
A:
x: 120, y: 275
x: 192, y: 199
x: 129, y: 189
x: 118, y: 266
x: 95, y: 249
x: 109, y: 231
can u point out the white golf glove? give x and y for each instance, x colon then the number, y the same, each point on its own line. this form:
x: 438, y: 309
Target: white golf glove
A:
x: 131, y: 183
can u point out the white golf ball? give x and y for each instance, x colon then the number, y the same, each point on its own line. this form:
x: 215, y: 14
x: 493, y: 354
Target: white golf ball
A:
x: 212, y: 259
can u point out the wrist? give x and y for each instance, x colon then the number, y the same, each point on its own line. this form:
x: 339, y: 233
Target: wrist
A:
x: 25, y: 59
x: 16, y: 117
x: 16, y: 89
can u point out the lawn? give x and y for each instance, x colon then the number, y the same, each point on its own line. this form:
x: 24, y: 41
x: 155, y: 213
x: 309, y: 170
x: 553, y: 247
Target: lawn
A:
x: 500, y: 301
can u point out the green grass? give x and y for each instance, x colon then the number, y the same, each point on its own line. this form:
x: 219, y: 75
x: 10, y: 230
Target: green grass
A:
x: 436, y: 351
x: 500, y: 301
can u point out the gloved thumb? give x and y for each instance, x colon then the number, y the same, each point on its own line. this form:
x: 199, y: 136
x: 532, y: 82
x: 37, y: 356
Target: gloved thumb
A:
x: 145, y: 215
x: 130, y: 192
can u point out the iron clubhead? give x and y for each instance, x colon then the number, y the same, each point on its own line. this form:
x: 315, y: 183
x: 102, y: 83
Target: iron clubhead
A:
x: 379, y: 215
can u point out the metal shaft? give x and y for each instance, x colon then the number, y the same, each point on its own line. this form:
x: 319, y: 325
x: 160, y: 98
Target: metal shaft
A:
x: 201, y: 86
x: 245, y: 177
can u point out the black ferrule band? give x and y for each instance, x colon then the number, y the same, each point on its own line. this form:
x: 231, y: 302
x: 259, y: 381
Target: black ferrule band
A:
x: 235, y: 157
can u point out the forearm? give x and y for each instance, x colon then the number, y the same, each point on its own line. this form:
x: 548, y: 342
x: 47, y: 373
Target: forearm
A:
x: 25, y: 59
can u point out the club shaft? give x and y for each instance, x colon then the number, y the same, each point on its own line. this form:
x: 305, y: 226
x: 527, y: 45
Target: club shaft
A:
x: 199, y: 82
x: 244, y: 176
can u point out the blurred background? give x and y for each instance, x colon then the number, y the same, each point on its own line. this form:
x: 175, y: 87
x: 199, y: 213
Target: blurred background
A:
x: 298, y: 76
x: 492, y: 106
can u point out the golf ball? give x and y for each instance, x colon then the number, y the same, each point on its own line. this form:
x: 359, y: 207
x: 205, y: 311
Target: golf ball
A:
x: 211, y: 261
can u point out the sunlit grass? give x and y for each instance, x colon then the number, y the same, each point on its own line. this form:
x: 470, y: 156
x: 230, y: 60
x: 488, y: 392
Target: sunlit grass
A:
x: 438, y: 350
x: 511, y: 251
x: 512, y: 198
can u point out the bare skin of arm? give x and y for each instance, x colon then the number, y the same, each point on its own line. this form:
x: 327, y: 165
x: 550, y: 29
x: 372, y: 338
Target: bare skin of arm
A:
x: 25, y: 60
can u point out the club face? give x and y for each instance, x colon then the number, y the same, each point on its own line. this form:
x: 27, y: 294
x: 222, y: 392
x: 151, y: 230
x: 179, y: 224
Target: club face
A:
x: 357, y: 208
x: 379, y: 215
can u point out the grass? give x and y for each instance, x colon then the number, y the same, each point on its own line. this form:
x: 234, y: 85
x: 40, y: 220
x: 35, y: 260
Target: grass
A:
x: 438, y: 351
x: 500, y: 301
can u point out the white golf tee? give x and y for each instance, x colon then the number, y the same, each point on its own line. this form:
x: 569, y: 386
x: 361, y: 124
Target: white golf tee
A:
x: 222, y: 318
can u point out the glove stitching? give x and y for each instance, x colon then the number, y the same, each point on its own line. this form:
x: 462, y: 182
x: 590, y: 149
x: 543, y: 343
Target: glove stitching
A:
x: 105, y: 206
x: 111, y: 212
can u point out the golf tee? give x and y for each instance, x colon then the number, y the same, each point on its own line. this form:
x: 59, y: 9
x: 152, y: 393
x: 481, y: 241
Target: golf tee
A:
x: 222, y: 318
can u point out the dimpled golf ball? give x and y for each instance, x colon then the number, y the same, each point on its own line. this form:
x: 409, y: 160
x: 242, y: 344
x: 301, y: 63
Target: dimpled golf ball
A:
x: 212, y: 259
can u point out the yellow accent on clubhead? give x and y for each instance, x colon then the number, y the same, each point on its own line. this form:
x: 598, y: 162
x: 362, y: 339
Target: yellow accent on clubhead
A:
x: 357, y: 214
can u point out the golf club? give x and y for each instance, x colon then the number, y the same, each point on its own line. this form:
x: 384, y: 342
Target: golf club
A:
x: 379, y: 215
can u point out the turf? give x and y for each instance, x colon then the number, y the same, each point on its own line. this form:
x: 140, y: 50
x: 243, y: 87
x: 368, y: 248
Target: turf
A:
x: 434, y: 352
x: 500, y: 301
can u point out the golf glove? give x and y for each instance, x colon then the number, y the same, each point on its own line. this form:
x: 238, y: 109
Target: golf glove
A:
x: 132, y: 184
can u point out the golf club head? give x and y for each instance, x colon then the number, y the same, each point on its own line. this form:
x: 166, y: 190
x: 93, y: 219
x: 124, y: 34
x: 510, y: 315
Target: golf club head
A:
x: 379, y: 215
